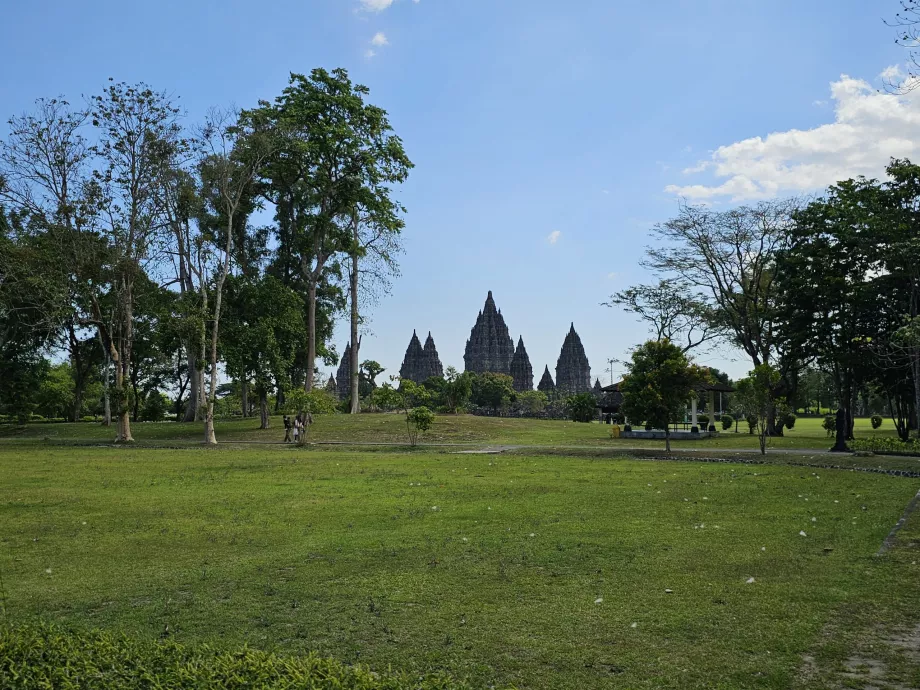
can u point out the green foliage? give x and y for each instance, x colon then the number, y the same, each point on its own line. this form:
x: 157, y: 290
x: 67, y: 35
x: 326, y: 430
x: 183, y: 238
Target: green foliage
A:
x: 751, y: 420
x: 727, y: 422
x: 876, y: 420
x: 50, y: 657
x: 422, y: 418
x: 829, y: 424
x: 386, y: 398
x: 532, y: 402
x: 458, y: 390
x: 494, y: 391
x: 703, y: 420
x: 789, y: 420
x: 317, y: 401
x: 659, y: 382
x: 55, y: 396
x: 156, y: 407
x: 886, y: 445
x: 581, y: 407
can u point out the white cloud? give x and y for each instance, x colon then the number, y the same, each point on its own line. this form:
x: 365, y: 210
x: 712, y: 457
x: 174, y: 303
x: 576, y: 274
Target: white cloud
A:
x: 605, y: 192
x: 613, y: 276
x: 554, y: 236
x: 869, y: 128
x: 369, y: 53
x: 375, y: 5
x: 379, y: 39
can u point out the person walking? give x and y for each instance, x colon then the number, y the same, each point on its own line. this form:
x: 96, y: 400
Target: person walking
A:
x: 297, y: 429
x: 287, y: 429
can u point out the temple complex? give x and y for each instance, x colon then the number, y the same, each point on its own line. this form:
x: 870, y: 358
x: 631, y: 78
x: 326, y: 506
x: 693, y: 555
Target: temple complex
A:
x: 331, y: 387
x: 421, y: 363
x: 546, y: 383
x: 490, y: 347
x: 573, y: 373
x: 521, y: 371
x: 343, y: 375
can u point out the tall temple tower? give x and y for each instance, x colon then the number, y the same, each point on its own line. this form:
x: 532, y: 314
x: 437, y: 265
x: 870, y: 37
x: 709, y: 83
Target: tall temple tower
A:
x: 521, y: 371
x: 573, y: 373
x: 421, y: 363
x: 490, y: 347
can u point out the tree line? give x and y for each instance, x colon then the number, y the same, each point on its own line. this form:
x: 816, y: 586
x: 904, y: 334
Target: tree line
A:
x: 821, y: 295
x: 144, y: 252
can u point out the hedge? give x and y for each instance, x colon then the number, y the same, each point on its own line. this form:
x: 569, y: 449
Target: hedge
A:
x: 46, y: 656
x: 886, y: 445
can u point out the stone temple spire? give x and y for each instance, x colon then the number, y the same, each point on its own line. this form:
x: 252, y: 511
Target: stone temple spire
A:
x: 521, y: 371
x: 597, y: 388
x: 546, y: 383
x: 343, y: 375
x: 412, y: 362
x: 573, y: 373
x: 331, y: 387
x: 430, y: 360
x: 490, y: 347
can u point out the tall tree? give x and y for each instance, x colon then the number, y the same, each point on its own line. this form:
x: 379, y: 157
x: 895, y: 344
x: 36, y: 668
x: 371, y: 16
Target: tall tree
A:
x: 235, y: 146
x: 338, y: 153
x: 138, y: 132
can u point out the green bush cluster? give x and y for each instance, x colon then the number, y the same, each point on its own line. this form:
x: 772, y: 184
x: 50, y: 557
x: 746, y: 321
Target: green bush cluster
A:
x: 829, y: 424
x: 876, y: 420
x: 886, y: 444
x: 727, y: 422
x: 49, y: 657
x: 789, y: 420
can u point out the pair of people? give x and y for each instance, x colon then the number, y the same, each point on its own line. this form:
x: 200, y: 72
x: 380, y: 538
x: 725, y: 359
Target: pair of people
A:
x: 300, y: 427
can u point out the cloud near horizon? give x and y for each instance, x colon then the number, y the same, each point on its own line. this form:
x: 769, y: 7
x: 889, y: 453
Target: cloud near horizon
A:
x: 869, y: 128
x: 554, y: 236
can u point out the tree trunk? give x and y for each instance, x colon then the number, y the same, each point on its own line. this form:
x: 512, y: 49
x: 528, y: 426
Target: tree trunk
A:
x: 77, y: 403
x: 106, y: 402
x: 244, y: 396
x: 194, y: 388
x: 263, y: 408
x: 667, y: 437
x: 123, y: 367
x: 311, y: 335
x: 355, y: 343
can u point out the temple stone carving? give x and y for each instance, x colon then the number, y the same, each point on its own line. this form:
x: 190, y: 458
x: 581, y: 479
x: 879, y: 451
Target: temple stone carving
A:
x: 331, y: 387
x: 421, y: 363
x: 521, y: 371
x: 598, y: 392
x: 490, y: 347
x: 573, y: 373
x: 546, y: 383
x: 343, y: 375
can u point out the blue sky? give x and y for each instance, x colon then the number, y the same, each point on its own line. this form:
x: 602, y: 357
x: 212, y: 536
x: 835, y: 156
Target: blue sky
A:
x: 588, y: 119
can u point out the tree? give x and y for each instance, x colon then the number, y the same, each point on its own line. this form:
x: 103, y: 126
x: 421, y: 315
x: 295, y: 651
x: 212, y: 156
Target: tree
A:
x: 907, y: 27
x: 659, y: 382
x: 495, y: 391
x: 263, y: 323
x: 534, y: 402
x: 338, y: 157
x: 235, y: 147
x: 729, y: 257
x: 457, y: 389
x: 138, y: 132
x: 581, y: 407
x: 755, y: 398
x: 672, y: 310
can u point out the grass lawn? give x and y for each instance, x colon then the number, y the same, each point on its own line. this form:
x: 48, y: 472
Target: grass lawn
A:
x: 807, y: 433
x: 534, y: 570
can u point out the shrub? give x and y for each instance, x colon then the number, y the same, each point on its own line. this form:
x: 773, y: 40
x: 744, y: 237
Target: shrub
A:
x: 581, y: 407
x: 886, y: 444
x: 789, y: 420
x: 703, y: 420
x: 727, y: 422
x: 618, y: 418
x: 316, y: 401
x: 876, y: 421
x: 751, y: 420
x: 829, y: 424
x: 48, y: 657
x: 155, y: 407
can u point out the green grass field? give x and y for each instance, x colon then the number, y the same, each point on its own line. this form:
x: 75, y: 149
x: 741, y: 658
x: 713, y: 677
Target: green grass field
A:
x: 531, y: 570
x: 373, y: 428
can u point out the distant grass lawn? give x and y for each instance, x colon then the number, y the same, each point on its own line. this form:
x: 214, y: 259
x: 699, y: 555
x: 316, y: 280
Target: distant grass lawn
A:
x: 539, y: 571
x: 364, y: 428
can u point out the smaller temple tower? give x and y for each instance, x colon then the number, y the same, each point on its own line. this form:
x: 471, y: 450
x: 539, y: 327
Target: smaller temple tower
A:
x: 421, y: 363
x: 546, y: 383
x: 343, y: 375
x: 331, y: 387
x: 521, y: 371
